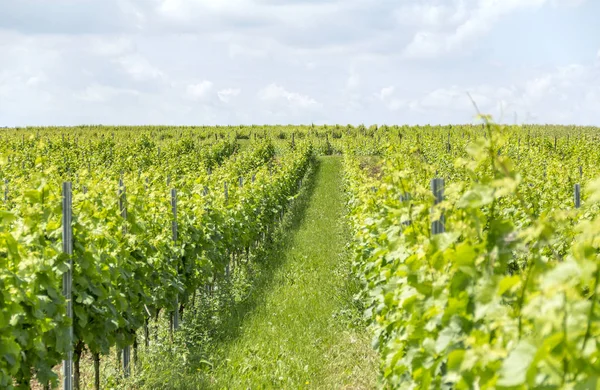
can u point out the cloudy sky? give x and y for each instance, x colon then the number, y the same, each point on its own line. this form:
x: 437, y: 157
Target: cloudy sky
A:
x: 68, y: 62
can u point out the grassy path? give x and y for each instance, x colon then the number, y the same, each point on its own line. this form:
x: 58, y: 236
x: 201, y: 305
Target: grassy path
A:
x: 300, y: 335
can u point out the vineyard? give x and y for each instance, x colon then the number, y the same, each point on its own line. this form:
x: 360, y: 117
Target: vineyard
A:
x: 478, y: 248
x: 474, y: 250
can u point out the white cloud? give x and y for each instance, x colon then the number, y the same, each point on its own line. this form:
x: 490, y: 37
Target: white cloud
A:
x: 36, y: 81
x: 567, y: 94
x: 139, y: 68
x: 276, y: 93
x: 132, y: 13
x: 386, y: 92
x: 236, y: 50
x: 175, y: 9
x: 396, y: 104
x: 200, y: 90
x: 102, y: 93
x: 392, y: 99
x: 387, y: 96
x: 225, y: 95
x: 449, y: 29
x: 111, y: 47
x: 353, y: 81
x: 429, y: 15
x: 135, y: 61
x: 538, y: 87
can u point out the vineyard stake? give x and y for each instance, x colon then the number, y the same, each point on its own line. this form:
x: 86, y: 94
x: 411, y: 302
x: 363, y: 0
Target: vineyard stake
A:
x: 123, y: 209
x: 227, y: 265
x: 577, y: 195
x: 405, y: 197
x: 437, y: 187
x: 174, y: 231
x: 67, y: 246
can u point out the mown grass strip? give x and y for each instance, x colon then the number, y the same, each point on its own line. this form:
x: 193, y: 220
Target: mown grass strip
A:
x: 301, y: 334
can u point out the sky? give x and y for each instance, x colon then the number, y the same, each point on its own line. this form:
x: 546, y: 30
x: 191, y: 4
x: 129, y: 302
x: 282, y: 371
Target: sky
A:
x: 230, y: 62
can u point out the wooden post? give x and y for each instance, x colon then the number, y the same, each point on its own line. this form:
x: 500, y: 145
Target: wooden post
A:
x: 577, y: 196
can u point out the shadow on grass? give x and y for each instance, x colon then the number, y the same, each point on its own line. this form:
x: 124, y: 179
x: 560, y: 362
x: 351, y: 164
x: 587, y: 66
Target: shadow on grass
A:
x: 217, y: 319
x: 267, y: 261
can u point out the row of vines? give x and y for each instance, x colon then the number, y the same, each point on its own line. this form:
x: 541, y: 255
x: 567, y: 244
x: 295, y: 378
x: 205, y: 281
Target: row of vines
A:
x: 127, y: 266
x: 506, y: 296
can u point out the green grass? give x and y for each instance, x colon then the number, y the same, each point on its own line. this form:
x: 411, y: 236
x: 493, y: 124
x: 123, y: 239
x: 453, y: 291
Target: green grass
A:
x: 301, y: 333
x: 286, y: 320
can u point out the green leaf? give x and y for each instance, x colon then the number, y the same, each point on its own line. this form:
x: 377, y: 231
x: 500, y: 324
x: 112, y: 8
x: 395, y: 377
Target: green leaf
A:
x: 514, y: 368
x: 476, y: 197
x: 455, y: 359
x: 507, y: 283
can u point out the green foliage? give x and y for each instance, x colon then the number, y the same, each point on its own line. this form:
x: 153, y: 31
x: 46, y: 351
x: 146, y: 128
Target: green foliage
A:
x: 126, y: 270
x: 507, y: 297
